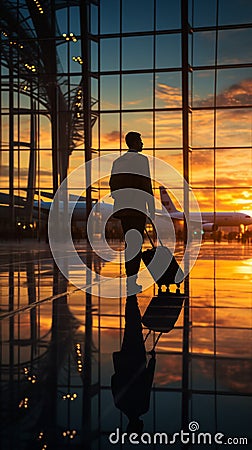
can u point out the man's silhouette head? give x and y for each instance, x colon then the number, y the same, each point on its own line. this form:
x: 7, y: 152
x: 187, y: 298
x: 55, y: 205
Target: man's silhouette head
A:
x: 134, y: 141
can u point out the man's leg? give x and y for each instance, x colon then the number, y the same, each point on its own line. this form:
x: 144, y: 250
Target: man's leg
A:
x: 133, y: 223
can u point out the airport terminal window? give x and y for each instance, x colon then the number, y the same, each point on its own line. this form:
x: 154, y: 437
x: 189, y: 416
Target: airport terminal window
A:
x: 168, y: 51
x: 168, y: 91
x: 168, y: 129
x: 203, y: 88
x: 233, y: 46
x: 233, y: 127
x: 110, y: 93
x: 137, y: 85
x: 135, y: 17
x: 110, y: 131
x: 110, y: 54
x: 170, y: 20
x: 204, y: 48
x: 137, y: 52
x: 229, y: 174
x: 202, y: 133
x: 137, y: 91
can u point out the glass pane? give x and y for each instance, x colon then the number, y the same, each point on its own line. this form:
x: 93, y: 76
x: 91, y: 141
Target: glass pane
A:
x: 45, y: 133
x: 110, y: 54
x: 110, y: 16
x: 95, y: 134
x: 202, y: 128
x: 137, y: 52
x: 234, y: 200
x: 94, y: 19
x: 110, y: 92
x: 234, y: 87
x: 94, y: 93
x: 137, y: 91
x: 204, y: 48
x: 75, y: 20
x: 233, y: 46
x: 77, y: 160
x: 137, y: 16
x: 233, y: 128
x: 4, y: 169
x: 168, y: 129
x: 142, y: 122
x: 235, y: 12
x: 168, y: 14
x: 234, y: 168
x: 204, y: 13
x: 203, y: 88
x: 202, y: 168
x: 61, y: 16
x: 94, y: 56
x: 168, y: 51
x: 205, y: 198
x: 168, y: 90
x: 110, y: 131
x: 173, y: 157
x: 21, y: 165
x: 45, y: 169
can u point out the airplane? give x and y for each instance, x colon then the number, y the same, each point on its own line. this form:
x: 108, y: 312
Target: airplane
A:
x: 210, y: 221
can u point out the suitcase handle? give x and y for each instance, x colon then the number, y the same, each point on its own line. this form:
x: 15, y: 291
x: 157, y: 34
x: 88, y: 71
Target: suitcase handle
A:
x: 151, y: 241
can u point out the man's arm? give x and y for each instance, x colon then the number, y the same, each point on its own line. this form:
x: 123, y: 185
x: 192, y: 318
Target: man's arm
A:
x: 150, y: 199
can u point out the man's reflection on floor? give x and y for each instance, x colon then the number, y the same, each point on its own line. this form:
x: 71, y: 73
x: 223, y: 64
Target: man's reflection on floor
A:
x: 132, y: 381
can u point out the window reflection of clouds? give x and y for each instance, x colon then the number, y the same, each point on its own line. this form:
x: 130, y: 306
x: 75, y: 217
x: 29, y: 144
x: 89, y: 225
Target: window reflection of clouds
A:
x: 203, y: 88
x: 230, y: 171
x: 168, y: 90
x: 142, y: 122
x: 202, y: 168
x: 110, y: 131
x: 110, y: 92
x: 234, y: 46
x: 228, y: 77
x: 233, y: 128
x: 170, y: 20
x: 168, y: 129
x: 137, y: 91
x: 202, y: 128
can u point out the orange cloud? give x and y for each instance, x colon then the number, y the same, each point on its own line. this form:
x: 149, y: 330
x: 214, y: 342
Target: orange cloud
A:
x: 238, y: 94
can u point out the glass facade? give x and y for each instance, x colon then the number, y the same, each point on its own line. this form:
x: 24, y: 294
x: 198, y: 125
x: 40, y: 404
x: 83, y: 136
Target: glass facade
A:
x: 75, y: 77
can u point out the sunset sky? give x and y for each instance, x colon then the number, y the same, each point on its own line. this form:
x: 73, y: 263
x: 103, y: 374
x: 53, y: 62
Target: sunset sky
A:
x: 150, y: 102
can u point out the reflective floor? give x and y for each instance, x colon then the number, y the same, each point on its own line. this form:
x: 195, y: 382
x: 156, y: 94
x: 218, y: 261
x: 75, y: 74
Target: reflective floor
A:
x: 57, y: 345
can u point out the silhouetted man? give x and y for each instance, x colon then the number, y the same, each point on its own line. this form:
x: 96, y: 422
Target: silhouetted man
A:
x: 131, y: 189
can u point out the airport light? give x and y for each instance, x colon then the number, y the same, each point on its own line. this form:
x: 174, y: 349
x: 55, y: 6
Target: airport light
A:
x: 70, y: 37
x: 77, y: 59
x: 29, y: 67
x: 39, y: 6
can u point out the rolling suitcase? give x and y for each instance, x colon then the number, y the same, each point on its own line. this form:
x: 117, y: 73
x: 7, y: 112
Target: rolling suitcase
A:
x: 164, y: 268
